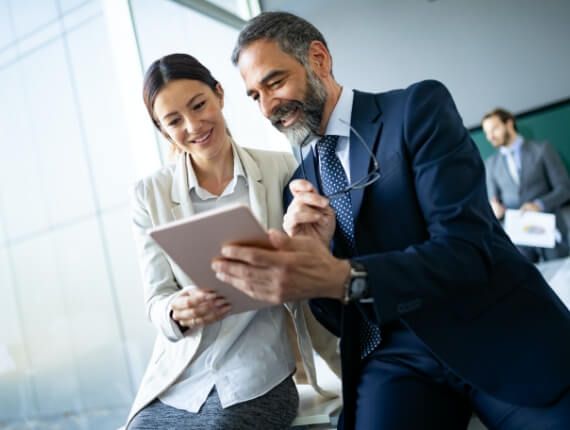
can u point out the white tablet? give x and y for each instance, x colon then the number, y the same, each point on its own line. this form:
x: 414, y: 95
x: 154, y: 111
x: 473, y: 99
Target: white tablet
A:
x: 194, y: 242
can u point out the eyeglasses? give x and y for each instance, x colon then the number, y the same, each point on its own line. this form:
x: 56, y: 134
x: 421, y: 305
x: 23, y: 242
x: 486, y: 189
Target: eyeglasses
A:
x: 363, y: 182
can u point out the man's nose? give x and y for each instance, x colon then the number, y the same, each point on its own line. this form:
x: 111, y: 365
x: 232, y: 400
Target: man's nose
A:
x: 267, y: 106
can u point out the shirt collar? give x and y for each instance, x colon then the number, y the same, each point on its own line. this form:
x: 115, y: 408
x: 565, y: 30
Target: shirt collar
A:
x: 202, y: 193
x: 514, y: 147
x: 342, y: 110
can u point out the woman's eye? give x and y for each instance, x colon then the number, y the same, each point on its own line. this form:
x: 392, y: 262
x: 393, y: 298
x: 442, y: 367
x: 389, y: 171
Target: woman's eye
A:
x: 174, y: 122
x: 199, y: 105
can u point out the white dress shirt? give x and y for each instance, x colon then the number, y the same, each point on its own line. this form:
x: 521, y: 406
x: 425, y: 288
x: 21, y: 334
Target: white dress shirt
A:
x: 512, y: 155
x: 342, y: 110
x: 245, y: 355
x: 514, y: 151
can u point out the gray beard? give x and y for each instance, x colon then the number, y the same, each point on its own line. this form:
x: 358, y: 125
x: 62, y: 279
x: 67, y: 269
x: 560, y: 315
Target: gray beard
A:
x: 311, y: 112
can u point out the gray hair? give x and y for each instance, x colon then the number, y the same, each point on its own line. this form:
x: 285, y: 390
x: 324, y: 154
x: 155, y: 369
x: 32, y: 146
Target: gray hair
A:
x: 291, y: 33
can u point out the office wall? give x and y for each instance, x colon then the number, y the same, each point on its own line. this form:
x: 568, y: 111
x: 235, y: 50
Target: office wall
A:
x: 511, y: 53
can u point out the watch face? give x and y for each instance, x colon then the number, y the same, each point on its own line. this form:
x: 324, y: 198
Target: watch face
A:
x: 358, y: 288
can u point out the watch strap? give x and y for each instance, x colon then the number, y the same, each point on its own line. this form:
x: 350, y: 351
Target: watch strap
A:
x: 357, y: 270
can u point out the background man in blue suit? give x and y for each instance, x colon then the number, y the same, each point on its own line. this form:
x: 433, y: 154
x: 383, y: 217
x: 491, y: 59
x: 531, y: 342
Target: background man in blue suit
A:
x: 437, y: 311
x: 525, y: 175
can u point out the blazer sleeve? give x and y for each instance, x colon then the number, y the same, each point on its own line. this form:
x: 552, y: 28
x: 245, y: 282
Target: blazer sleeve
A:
x: 324, y: 342
x: 493, y: 189
x: 449, y: 183
x: 557, y: 177
x: 160, y: 286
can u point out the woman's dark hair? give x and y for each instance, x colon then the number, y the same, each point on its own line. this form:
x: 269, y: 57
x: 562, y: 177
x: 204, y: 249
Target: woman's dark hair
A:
x: 170, y: 68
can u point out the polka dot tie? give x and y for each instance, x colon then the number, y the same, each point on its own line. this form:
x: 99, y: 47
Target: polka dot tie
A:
x: 333, y: 179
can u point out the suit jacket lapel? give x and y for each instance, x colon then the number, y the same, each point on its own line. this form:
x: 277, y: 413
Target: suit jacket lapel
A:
x: 180, y: 192
x: 257, y: 192
x: 310, y: 165
x: 526, y: 160
x: 367, y: 120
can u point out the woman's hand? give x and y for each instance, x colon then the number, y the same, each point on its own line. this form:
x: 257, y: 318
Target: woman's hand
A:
x: 196, y: 308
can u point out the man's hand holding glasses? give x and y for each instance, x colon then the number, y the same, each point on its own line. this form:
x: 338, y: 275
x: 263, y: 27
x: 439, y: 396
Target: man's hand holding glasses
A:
x: 371, y: 176
x: 309, y: 214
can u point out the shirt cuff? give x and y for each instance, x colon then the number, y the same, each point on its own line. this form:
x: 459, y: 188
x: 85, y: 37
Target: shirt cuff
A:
x: 540, y: 204
x: 160, y: 315
x: 174, y: 329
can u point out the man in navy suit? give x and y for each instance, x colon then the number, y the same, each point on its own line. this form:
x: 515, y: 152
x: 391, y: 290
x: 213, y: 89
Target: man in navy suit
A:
x: 437, y: 312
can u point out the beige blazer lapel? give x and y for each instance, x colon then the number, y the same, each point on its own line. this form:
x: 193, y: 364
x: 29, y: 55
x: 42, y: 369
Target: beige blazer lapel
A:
x: 180, y: 193
x: 181, y: 206
x: 257, y: 191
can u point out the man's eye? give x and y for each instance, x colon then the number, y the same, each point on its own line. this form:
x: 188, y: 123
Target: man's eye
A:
x: 199, y: 105
x: 275, y: 84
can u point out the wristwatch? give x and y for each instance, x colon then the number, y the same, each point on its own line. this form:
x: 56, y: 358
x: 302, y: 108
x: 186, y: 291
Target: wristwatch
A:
x: 356, y: 286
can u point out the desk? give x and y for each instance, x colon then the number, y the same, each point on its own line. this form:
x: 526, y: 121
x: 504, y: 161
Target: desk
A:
x: 315, y: 411
x: 557, y: 274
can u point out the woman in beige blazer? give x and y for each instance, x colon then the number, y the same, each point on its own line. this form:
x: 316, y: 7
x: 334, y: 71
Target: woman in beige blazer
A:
x: 210, y: 368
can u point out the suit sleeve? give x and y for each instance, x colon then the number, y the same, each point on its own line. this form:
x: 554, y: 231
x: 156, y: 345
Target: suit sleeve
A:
x: 557, y: 177
x: 449, y: 180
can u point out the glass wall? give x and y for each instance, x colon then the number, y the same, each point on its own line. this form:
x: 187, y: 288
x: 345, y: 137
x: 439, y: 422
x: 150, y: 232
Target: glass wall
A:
x: 73, y: 337
x: 74, y: 340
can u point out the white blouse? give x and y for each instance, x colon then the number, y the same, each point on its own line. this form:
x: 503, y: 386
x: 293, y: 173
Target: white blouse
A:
x: 245, y: 355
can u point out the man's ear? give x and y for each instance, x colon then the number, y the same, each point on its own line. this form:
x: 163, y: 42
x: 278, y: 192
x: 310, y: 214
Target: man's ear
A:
x: 320, y: 59
x: 510, y: 124
x: 220, y: 94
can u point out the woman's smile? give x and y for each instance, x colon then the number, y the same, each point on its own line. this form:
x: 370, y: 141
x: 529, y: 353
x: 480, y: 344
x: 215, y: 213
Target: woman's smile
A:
x: 203, y: 138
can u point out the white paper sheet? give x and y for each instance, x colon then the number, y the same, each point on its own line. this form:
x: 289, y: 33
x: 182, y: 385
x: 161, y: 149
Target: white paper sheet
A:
x: 531, y: 228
